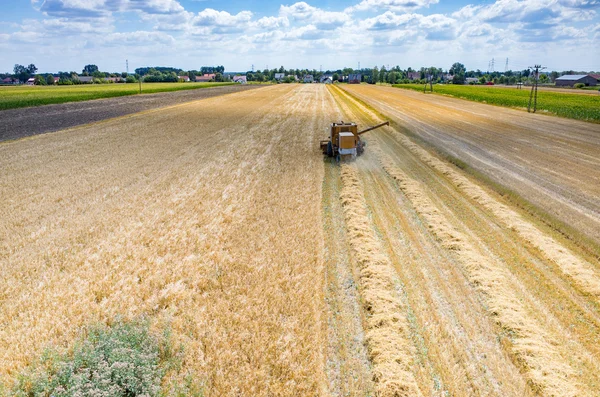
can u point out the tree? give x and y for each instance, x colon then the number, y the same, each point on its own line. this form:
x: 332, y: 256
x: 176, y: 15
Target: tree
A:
x: 18, y: 69
x: 218, y: 77
x: 89, y: 69
x: 21, y: 73
x: 39, y: 80
x: 336, y: 77
x: 50, y: 79
x: 130, y: 79
x: 458, y: 70
x: 375, y: 75
x: 31, y: 68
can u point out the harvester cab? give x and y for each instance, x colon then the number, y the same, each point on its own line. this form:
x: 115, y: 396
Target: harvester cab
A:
x: 344, y: 140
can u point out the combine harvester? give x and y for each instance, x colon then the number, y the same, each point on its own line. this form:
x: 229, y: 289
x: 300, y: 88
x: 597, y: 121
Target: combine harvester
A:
x: 344, y: 140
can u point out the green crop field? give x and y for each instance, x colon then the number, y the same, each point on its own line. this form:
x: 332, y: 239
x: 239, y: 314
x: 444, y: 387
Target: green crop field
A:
x: 25, y: 96
x: 574, y: 106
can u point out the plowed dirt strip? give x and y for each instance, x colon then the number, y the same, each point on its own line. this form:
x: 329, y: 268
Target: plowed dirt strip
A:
x: 206, y: 216
x: 553, y: 163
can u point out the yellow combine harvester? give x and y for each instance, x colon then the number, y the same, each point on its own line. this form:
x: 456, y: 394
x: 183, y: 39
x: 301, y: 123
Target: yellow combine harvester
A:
x: 344, y: 140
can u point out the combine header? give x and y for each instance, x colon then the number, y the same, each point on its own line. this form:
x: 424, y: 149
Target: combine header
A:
x: 344, y: 140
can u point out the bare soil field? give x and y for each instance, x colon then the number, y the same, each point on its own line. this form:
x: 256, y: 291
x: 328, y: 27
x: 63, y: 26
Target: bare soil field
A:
x: 286, y: 274
x: 551, y: 162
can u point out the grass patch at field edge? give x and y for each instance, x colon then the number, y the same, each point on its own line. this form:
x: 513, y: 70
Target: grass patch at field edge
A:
x: 21, y: 97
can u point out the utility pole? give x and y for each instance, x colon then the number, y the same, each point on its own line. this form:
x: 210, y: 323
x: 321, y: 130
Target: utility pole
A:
x: 127, y: 66
x: 492, y: 65
x: 252, y: 68
x: 359, y: 66
x: 534, y: 87
x: 506, y: 66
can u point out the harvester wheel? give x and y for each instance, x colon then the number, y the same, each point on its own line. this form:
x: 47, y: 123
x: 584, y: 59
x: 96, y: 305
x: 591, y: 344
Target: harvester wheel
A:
x: 329, y: 149
x: 360, y: 148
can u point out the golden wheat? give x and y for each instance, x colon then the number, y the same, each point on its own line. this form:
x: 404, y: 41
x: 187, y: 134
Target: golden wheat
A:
x: 205, y: 216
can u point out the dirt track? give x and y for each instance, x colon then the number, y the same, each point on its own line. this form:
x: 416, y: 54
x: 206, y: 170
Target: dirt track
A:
x: 552, y: 162
x: 284, y: 274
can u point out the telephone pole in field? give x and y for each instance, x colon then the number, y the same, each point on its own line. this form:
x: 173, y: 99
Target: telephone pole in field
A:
x: 534, y: 88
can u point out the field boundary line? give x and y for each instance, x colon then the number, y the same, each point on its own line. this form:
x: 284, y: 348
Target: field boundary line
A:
x: 387, y: 334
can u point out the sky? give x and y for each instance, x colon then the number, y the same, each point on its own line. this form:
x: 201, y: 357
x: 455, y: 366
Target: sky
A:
x: 65, y: 35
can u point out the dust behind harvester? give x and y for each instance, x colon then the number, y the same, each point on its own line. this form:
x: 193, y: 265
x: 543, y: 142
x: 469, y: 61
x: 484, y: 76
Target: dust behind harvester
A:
x: 344, y: 140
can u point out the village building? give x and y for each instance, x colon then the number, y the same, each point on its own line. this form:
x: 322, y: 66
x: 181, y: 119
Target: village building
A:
x: 569, y: 80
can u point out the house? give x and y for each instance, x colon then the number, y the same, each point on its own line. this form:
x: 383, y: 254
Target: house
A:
x: 30, y: 81
x: 206, y: 78
x: 184, y: 78
x: 569, y: 80
x: 447, y: 77
x: 9, y: 80
x: 414, y: 75
x: 279, y: 76
x: 86, y: 79
x: 309, y: 78
x: 354, y: 78
x: 326, y: 79
x: 240, y: 79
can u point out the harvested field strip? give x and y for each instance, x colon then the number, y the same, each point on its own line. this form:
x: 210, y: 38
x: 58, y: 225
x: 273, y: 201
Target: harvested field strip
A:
x: 535, y: 349
x: 189, y: 220
x: 583, y: 273
x: 548, y: 166
x: 459, y: 348
x: 387, y: 335
x: 348, y: 365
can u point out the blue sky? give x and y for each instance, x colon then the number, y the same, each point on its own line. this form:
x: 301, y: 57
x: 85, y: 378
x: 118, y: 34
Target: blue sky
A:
x: 67, y: 34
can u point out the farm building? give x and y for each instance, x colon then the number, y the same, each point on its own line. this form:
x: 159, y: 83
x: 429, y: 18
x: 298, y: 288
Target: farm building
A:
x: 9, y: 80
x: 569, y: 80
x: 184, y: 78
x: 326, y: 79
x: 279, y: 76
x: 472, y: 80
x: 30, y: 81
x: 240, y: 79
x: 85, y: 79
x: 308, y: 78
x: 354, y: 78
x: 206, y: 78
x: 414, y: 75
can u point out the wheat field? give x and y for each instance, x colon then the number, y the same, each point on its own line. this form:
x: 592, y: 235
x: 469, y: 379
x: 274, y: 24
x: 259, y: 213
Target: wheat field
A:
x: 281, y: 273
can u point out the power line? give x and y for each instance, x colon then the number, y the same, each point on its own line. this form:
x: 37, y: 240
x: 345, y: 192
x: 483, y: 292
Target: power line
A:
x: 534, y: 87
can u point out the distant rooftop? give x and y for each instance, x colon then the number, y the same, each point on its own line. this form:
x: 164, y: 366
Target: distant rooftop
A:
x: 572, y: 77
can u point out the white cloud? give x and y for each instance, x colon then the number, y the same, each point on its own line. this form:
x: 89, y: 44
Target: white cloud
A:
x: 98, y: 8
x: 139, y: 38
x: 272, y: 22
x: 210, y: 17
x: 321, y: 19
x: 393, y: 5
